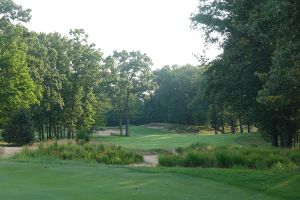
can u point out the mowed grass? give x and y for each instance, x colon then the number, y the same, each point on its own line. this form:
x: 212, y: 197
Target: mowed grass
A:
x: 147, y: 138
x: 76, y: 180
x: 37, y: 180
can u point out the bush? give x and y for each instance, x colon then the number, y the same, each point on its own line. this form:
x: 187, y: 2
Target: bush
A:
x: 230, y: 159
x: 295, y: 157
x: 83, y: 135
x: 201, y: 155
x: 19, y: 130
x: 168, y: 160
x: 88, y: 152
x: 195, y: 159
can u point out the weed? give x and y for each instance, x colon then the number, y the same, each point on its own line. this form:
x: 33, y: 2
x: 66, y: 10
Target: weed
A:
x: 89, y: 152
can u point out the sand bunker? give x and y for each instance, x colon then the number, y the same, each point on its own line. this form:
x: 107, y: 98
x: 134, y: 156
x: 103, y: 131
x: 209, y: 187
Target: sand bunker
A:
x: 109, y: 132
x: 9, y: 151
x: 154, y: 126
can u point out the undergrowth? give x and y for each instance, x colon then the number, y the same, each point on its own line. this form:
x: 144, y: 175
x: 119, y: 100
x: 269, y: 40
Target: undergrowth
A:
x: 89, y: 152
x: 208, y: 156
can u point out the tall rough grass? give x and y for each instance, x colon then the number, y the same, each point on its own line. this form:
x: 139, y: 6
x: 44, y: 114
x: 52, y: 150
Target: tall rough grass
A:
x: 201, y: 155
x: 88, y: 152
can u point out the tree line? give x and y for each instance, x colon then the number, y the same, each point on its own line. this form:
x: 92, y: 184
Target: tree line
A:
x: 64, y: 82
x: 68, y: 86
x: 257, y: 76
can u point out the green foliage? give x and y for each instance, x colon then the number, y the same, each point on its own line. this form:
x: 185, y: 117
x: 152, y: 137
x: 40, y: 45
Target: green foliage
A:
x: 17, y: 87
x: 83, y: 135
x: 256, y: 77
x: 98, y: 153
x: 11, y: 11
x: 67, y: 72
x: 128, y: 77
x: 208, y: 156
x: 19, y: 130
x: 176, y: 98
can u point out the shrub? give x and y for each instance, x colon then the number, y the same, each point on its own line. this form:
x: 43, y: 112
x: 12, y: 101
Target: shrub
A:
x: 168, y: 160
x: 83, y: 135
x: 196, y: 159
x: 295, y: 157
x: 19, y: 130
x: 201, y: 155
x: 88, y: 152
x: 229, y: 159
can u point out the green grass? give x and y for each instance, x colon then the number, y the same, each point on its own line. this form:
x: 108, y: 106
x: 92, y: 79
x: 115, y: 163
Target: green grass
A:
x: 280, y: 183
x: 38, y: 180
x: 76, y: 180
x: 145, y: 138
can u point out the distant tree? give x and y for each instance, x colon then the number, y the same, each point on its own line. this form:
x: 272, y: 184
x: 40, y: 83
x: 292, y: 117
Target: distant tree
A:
x: 84, y: 79
x: 10, y: 11
x: 257, y: 74
x: 17, y: 87
x: 114, y: 88
x: 177, y: 98
x: 19, y: 130
x: 134, y: 77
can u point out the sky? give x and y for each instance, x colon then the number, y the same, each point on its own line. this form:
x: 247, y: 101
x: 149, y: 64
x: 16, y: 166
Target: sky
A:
x: 159, y: 28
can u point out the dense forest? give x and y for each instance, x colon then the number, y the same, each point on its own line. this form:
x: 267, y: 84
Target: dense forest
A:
x: 67, y: 86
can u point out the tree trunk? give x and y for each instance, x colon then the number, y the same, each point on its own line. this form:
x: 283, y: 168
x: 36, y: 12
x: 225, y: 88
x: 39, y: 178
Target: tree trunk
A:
x: 64, y: 130
x: 61, y: 130
x: 47, y: 132
x: 288, y: 136
x: 120, y: 125
x: 232, y: 126
x: 297, y: 140
x: 119, y: 107
x: 40, y: 132
x: 248, y: 127
x: 127, y: 113
x: 43, y: 132
x: 223, y: 125
x: 215, y: 119
x: 241, y: 125
x: 69, y: 133
x: 281, y: 140
x: 290, y: 131
x: 274, y: 134
x: 56, y: 133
